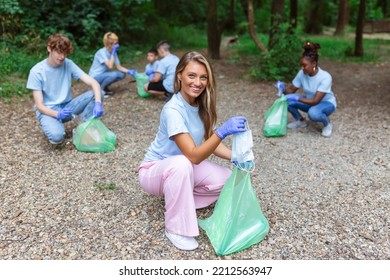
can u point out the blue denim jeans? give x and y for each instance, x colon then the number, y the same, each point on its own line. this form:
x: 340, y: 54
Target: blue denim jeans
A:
x: 107, y: 78
x: 54, y: 129
x: 316, y: 113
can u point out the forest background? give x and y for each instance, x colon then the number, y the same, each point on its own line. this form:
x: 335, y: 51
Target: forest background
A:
x: 270, y: 33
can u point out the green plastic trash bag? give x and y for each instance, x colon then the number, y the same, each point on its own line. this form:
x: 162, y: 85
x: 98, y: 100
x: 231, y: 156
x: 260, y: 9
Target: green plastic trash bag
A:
x: 94, y: 136
x: 237, y: 221
x: 276, y: 118
x: 141, y: 79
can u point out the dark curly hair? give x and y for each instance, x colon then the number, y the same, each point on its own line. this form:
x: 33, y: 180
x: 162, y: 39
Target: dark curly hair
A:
x: 310, y: 51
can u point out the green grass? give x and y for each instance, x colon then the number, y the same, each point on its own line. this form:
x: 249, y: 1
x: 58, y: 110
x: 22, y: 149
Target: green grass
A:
x: 342, y: 48
x: 183, y: 38
x: 12, y: 86
x: 333, y: 48
x: 14, y: 68
x: 105, y: 186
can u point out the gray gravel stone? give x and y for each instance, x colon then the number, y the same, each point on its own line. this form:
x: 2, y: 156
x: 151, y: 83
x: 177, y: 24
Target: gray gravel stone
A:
x: 325, y: 198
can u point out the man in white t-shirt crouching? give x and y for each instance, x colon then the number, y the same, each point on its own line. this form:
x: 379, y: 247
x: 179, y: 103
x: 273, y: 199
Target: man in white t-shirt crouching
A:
x: 51, y: 80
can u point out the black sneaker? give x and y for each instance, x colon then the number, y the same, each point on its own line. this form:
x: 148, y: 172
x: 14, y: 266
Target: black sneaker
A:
x: 108, y: 91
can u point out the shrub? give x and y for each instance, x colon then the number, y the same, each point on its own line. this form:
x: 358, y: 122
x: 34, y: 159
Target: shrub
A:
x: 281, y: 62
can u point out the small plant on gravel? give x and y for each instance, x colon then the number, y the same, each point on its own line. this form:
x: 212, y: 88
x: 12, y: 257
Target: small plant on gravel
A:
x: 105, y: 186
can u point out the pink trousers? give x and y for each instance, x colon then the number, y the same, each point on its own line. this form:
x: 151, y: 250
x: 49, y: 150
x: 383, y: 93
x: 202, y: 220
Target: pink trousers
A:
x: 185, y: 187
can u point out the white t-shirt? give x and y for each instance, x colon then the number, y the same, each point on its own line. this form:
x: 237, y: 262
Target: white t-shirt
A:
x: 322, y: 82
x: 54, y: 82
x: 151, y: 67
x: 177, y: 116
x: 98, y: 65
x: 167, y: 67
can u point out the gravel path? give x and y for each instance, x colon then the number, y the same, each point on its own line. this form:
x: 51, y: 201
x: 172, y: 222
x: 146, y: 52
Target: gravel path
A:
x: 324, y: 198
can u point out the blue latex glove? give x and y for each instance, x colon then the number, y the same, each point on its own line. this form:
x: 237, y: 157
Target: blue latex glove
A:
x: 231, y: 126
x: 293, y: 97
x: 98, y: 110
x: 64, y: 114
x: 280, y: 86
x: 132, y: 72
x: 149, y: 72
x: 114, y: 49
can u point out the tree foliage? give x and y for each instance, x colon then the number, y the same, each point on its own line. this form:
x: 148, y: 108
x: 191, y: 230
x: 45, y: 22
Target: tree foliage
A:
x: 279, y: 62
x: 85, y: 21
x: 138, y: 21
x: 25, y: 25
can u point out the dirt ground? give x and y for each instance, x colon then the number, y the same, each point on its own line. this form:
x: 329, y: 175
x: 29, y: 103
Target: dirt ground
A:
x: 324, y: 198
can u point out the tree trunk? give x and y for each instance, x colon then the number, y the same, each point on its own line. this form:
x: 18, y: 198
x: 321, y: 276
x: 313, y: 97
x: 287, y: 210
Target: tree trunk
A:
x: 229, y: 22
x: 359, y: 29
x: 252, y: 30
x: 294, y: 13
x: 314, y: 24
x: 342, y: 17
x: 383, y: 4
x: 214, y: 30
x: 213, y: 33
x: 244, y: 7
x: 277, y: 16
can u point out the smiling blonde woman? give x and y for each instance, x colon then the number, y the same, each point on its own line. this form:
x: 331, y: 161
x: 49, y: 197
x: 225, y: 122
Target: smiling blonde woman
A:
x: 175, y: 165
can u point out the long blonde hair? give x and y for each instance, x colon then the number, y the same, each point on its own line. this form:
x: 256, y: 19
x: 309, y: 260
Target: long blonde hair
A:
x: 207, y: 100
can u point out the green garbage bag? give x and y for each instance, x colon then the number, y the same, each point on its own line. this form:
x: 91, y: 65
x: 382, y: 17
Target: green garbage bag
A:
x: 93, y: 136
x: 237, y: 221
x: 276, y: 118
x: 141, y: 79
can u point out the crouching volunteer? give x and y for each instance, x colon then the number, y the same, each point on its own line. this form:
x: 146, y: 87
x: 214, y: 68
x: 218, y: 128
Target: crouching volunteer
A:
x: 51, y: 80
x: 175, y: 165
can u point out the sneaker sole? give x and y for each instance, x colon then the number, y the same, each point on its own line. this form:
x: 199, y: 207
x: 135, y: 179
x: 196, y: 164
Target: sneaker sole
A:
x: 297, y: 127
x: 177, y: 245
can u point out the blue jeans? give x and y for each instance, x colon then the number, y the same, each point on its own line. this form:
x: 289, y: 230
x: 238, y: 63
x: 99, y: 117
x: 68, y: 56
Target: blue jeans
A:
x: 107, y: 78
x: 54, y: 129
x: 316, y: 113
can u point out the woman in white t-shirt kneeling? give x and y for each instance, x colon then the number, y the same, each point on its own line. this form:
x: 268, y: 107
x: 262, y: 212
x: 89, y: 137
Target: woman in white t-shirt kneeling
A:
x: 175, y: 165
x: 318, y: 100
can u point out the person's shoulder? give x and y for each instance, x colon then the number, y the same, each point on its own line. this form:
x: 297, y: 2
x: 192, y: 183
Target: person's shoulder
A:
x: 70, y: 62
x: 300, y: 74
x: 102, y: 52
x: 172, y: 59
x: 324, y: 73
x: 174, y: 56
x: 175, y: 103
x: 40, y: 66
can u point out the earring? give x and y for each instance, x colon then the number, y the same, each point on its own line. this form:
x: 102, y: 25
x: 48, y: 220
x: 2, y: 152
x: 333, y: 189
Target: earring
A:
x: 314, y: 69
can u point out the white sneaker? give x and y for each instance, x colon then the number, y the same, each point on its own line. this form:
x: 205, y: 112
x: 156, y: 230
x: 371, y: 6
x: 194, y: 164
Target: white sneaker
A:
x: 297, y: 124
x: 327, y: 130
x: 182, y: 242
